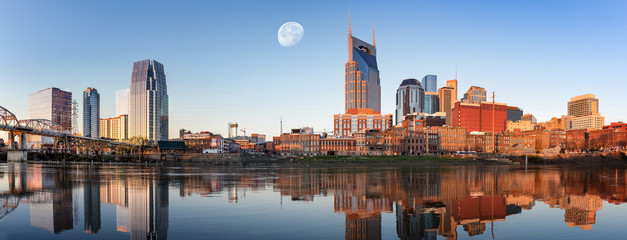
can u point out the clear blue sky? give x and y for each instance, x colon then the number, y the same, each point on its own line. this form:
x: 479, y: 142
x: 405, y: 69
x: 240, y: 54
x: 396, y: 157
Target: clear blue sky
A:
x: 224, y: 64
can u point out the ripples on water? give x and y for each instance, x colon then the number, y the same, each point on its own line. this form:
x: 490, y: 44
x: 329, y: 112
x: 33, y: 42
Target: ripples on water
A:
x: 140, y: 202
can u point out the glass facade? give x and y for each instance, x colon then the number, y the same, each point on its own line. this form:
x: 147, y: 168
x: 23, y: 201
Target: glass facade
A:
x: 430, y: 83
x: 148, y: 101
x: 432, y: 102
x: 52, y: 104
x: 91, y: 113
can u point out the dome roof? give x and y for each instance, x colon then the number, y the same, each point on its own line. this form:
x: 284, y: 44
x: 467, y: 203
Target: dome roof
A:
x: 410, y: 81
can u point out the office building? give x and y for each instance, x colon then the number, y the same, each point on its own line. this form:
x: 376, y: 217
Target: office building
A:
x: 475, y: 95
x: 410, y: 98
x: 91, y: 113
x: 52, y: 104
x: 430, y: 83
x: 362, y: 83
x: 432, y: 102
x: 446, y: 102
x: 519, y: 125
x: 480, y: 117
x: 114, y: 128
x: 583, y: 105
x: 148, y: 101
x: 595, y: 121
x: 121, y: 101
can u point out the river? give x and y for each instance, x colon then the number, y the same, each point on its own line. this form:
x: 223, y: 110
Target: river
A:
x: 86, y: 201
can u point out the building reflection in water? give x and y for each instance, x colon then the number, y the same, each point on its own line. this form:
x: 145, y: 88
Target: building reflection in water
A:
x: 426, y: 202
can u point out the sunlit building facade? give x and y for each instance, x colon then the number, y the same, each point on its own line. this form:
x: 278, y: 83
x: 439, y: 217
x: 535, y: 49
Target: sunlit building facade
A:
x: 475, y: 95
x: 114, y: 128
x: 583, y: 105
x: 148, y: 101
x: 362, y: 83
x: 121, y: 101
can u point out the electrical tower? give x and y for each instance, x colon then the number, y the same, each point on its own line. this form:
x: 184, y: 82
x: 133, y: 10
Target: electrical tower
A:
x: 74, y: 117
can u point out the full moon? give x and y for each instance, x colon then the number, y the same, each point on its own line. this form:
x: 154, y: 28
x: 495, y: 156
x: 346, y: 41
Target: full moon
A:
x: 290, y: 34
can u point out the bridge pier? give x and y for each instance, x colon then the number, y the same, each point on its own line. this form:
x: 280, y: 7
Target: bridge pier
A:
x: 17, y: 156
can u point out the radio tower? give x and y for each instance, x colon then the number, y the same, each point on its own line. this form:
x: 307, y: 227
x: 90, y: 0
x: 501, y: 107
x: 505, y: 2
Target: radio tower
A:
x: 74, y: 117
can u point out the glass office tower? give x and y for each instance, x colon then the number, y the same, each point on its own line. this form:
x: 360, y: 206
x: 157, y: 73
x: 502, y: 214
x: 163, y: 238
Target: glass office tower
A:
x: 430, y: 83
x: 91, y: 113
x: 148, y: 101
x: 121, y: 101
x: 52, y: 104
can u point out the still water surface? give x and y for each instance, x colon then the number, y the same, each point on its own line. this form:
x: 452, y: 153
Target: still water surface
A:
x: 460, y: 202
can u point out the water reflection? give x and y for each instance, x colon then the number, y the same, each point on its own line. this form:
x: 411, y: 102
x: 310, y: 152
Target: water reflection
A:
x: 427, y: 203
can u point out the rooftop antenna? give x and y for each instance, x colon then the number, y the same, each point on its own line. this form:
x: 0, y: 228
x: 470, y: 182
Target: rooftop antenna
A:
x: 374, y: 42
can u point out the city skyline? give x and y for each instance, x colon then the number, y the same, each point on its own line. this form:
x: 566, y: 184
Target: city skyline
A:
x: 485, y: 54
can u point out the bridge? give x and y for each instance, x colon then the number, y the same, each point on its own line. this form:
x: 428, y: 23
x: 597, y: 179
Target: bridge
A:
x: 63, y: 139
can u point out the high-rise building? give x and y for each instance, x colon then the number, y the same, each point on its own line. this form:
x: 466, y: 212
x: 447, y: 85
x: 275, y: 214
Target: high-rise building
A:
x: 52, y: 104
x: 121, y: 101
x: 475, y: 95
x: 446, y: 102
x: 432, y: 102
x: 148, y: 101
x: 430, y: 83
x: 583, y: 105
x: 362, y: 83
x: 410, y: 98
x: 362, y: 90
x: 91, y: 113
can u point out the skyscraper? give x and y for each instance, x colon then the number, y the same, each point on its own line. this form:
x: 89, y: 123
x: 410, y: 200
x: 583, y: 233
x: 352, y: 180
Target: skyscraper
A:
x: 453, y: 84
x: 121, y: 101
x: 410, y: 98
x: 91, y: 113
x: 430, y: 83
x: 362, y: 83
x: 148, y: 101
x: 583, y: 105
x: 432, y: 102
x: 52, y: 104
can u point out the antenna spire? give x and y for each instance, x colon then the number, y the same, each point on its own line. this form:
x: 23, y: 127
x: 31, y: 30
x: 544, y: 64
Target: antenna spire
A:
x: 374, y: 42
x: 349, y: 22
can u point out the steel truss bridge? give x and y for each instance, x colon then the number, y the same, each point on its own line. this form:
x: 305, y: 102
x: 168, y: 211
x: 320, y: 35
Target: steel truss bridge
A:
x: 44, y: 127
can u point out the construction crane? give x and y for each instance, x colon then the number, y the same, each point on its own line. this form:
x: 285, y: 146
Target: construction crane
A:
x: 244, y: 131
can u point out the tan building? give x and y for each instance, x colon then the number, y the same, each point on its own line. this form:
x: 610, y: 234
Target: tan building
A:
x: 447, y: 100
x: 521, y: 125
x: 475, y: 95
x: 583, y: 105
x: 114, y: 128
x: 595, y: 121
x: 529, y: 117
x: 565, y: 123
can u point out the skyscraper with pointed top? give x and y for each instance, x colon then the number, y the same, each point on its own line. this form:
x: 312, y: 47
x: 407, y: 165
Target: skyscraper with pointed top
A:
x: 362, y: 90
x: 362, y: 83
